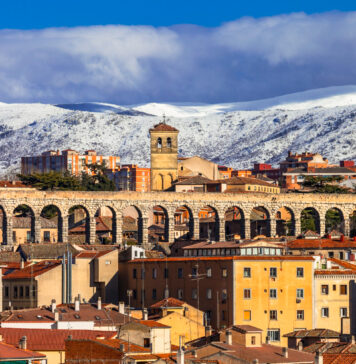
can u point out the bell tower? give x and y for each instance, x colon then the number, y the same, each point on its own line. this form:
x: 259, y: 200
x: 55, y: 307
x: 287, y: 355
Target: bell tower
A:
x: 164, y: 156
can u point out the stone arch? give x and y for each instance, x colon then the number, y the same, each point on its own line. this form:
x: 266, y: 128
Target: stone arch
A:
x: 4, y: 226
x: 159, y: 143
x: 334, y: 220
x: 158, y: 224
x: 169, y: 142
x: 79, y: 224
x: 51, y: 224
x: 352, y: 222
x: 158, y: 183
x: 234, y: 223
x: 208, y: 223
x: 183, y: 222
x: 310, y: 220
x: 23, y: 224
x: 260, y: 223
x: 105, y: 225
x: 132, y: 225
x: 285, y: 221
x: 168, y: 181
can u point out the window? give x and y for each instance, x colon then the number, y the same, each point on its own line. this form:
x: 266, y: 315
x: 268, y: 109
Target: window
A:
x: 159, y: 143
x: 165, y: 272
x: 142, y: 274
x: 325, y: 312
x: 21, y: 291
x: 208, y: 272
x: 14, y: 236
x: 134, y: 273
x: 273, y: 314
x: 273, y: 293
x: 300, y: 314
x: 247, y: 272
x: 300, y: 293
x: 343, y: 311
x: 300, y: 272
x: 180, y: 272
x: 180, y: 293
x: 273, y: 272
x: 154, y: 293
x: 134, y: 294
x: 247, y: 315
x: 28, y: 236
x: 169, y: 143
x: 247, y: 294
x: 47, y: 236
x: 194, y: 272
x: 15, y: 292
x: 343, y: 289
x: 274, y: 335
x: 324, y: 289
x: 27, y: 291
x: 146, y: 342
x: 334, y: 287
x: 253, y: 340
x: 194, y: 294
x: 223, y: 315
x: 154, y: 273
x: 224, y: 272
x: 6, y: 291
x: 208, y: 294
x: 223, y: 296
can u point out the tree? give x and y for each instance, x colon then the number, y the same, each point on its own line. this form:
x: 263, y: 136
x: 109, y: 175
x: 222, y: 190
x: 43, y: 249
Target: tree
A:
x: 308, y: 220
x: 325, y: 184
x: 333, y: 219
x: 98, y: 180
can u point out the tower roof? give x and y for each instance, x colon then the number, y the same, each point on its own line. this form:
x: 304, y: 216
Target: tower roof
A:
x: 163, y: 127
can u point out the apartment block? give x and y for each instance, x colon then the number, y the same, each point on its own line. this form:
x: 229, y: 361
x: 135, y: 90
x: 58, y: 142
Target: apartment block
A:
x: 67, y: 160
x: 274, y: 293
x: 130, y: 177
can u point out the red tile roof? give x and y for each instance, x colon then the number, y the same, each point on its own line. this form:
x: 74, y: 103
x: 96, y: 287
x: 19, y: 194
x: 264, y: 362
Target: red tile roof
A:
x: 115, y: 343
x: 168, y: 302
x: 343, y: 263
x: 33, y: 270
x: 163, y: 127
x: 151, y: 323
x: 49, y: 339
x: 187, y: 259
x: 321, y: 244
x: 11, y: 352
x: 342, y: 358
x: 332, y: 272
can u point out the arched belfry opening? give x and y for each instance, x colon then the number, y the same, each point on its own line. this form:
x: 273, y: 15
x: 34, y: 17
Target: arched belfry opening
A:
x: 164, y: 156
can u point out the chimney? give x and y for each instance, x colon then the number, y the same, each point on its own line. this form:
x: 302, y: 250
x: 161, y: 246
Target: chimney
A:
x: 300, y: 345
x: 228, y: 335
x: 318, y: 358
x: 23, y: 343
x: 145, y: 314
x: 122, y: 348
x: 353, y: 339
x: 53, y: 305
x: 180, y: 353
x: 208, y: 331
x: 342, y: 238
x: 1, y: 338
x: 22, y: 264
x: 195, y: 354
x: 69, y: 337
x: 99, y: 303
x: 76, y: 304
x: 122, y: 307
x: 285, y: 352
x: 255, y: 361
x: 56, y: 315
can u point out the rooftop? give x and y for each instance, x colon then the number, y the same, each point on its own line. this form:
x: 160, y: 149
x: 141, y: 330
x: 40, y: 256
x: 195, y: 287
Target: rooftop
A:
x: 33, y: 270
x: 168, y: 302
x: 322, y: 243
x: 11, y: 352
x: 163, y: 127
x: 320, y: 333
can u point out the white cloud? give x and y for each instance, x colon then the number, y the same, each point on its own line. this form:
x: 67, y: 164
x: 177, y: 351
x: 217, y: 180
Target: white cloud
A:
x: 245, y: 59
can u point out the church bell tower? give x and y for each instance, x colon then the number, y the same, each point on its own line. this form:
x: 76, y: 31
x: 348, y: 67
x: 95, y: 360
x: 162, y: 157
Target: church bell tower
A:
x: 164, y: 156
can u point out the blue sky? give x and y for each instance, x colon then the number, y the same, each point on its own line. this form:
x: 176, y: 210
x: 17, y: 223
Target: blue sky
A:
x: 130, y: 52
x: 34, y: 14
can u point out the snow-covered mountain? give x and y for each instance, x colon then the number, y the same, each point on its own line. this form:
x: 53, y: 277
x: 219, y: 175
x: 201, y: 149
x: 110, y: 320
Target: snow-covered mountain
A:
x: 234, y: 134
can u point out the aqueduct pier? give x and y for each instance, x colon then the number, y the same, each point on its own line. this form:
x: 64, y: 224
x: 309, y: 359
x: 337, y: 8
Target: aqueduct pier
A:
x: 169, y: 202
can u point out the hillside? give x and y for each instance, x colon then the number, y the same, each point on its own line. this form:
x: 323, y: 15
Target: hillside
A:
x: 234, y: 134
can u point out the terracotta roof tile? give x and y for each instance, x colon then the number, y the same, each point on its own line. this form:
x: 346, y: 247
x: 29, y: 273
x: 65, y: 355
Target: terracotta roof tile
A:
x: 49, y: 339
x: 11, y: 352
x: 163, y: 127
x: 33, y: 270
x: 321, y: 243
x: 151, y: 323
x: 169, y: 302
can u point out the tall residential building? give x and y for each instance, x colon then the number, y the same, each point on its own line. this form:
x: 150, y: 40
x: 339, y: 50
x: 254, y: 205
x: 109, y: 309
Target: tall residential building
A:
x: 67, y: 160
x: 164, y: 156
x: 130, y: 177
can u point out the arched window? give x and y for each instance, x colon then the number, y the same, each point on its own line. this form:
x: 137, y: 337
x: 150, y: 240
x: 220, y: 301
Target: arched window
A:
x: 159, y: 143
x: 169, y: 143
